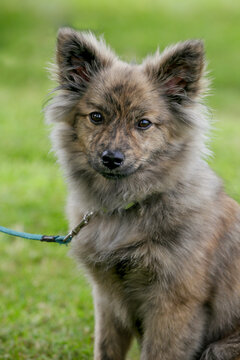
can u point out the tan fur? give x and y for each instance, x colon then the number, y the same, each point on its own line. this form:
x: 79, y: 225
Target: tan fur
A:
x: 167, y: 269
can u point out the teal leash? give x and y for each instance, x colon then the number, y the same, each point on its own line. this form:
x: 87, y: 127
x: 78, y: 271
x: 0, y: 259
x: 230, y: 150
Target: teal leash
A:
x: 55, y: 239
x: 58, y: 239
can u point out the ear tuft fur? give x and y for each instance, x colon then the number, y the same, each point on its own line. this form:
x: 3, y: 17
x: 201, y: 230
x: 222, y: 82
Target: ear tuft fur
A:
x: 179, y: 70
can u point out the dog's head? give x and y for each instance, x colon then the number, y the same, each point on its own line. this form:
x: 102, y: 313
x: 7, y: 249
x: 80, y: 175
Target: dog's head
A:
x: 123, y: 126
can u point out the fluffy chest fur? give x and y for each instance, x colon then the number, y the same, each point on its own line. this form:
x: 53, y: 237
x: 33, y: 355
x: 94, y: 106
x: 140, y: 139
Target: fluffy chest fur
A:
x: 142, y: 246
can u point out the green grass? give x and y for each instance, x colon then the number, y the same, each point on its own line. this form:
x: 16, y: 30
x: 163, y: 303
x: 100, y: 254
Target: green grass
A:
x: 46, y: 307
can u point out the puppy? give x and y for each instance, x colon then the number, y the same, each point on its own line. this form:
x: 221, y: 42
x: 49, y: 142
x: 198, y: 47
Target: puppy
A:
x: 162, y: 249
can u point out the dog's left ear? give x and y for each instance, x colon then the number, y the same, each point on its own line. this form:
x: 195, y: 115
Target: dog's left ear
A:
x: 79, y: 57
x: 178, y: 71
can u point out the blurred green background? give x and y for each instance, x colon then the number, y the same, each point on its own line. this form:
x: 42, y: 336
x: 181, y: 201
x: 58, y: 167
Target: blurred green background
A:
x: 46, y: 308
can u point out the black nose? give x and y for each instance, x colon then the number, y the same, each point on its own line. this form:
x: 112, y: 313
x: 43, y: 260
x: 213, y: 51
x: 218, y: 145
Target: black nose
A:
x: 112, y: 159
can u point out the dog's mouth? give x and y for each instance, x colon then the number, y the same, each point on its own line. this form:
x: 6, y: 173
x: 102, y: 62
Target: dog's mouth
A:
x: 116, y: 174
x: 113, y: 176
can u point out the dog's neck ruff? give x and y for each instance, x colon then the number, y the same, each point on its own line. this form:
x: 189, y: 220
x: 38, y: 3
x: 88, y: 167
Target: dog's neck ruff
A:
x: 85, y: 220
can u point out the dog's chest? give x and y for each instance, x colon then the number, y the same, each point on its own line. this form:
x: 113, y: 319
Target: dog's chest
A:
x: 119, y: 253
x: 105, y: 236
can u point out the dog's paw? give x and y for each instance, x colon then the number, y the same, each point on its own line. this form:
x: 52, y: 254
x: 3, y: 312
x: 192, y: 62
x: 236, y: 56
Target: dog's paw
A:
x: 211, y: 353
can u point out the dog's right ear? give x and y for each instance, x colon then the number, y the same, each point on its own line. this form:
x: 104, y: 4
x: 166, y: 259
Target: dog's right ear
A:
x: 79, y: 57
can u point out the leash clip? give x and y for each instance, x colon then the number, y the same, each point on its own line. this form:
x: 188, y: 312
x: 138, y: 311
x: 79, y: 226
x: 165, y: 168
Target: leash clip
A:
x: 76, y: 230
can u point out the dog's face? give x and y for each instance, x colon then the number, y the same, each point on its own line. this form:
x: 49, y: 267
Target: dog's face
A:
x: 119, y: 122
x: 125, y: 123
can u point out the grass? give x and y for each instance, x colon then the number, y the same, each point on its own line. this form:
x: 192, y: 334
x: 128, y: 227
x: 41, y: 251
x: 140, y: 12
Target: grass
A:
x: 46, y: 307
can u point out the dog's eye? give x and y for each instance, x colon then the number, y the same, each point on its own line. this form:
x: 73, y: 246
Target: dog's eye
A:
x: 144, y: 124
x: 96, y: 118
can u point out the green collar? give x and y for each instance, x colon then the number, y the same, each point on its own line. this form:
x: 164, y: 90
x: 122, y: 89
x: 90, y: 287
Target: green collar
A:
x: 126, y: 207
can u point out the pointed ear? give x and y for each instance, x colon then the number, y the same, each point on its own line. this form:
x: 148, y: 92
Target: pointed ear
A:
x: 178, y: 71
x: 79, y: 57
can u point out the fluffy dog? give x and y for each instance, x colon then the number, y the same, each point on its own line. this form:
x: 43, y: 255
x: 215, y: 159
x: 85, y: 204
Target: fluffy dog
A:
x: 162, y: 250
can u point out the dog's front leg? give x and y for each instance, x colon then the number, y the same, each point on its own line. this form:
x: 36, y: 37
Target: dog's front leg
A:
x: 172, y: 332
x: 112, y: 339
